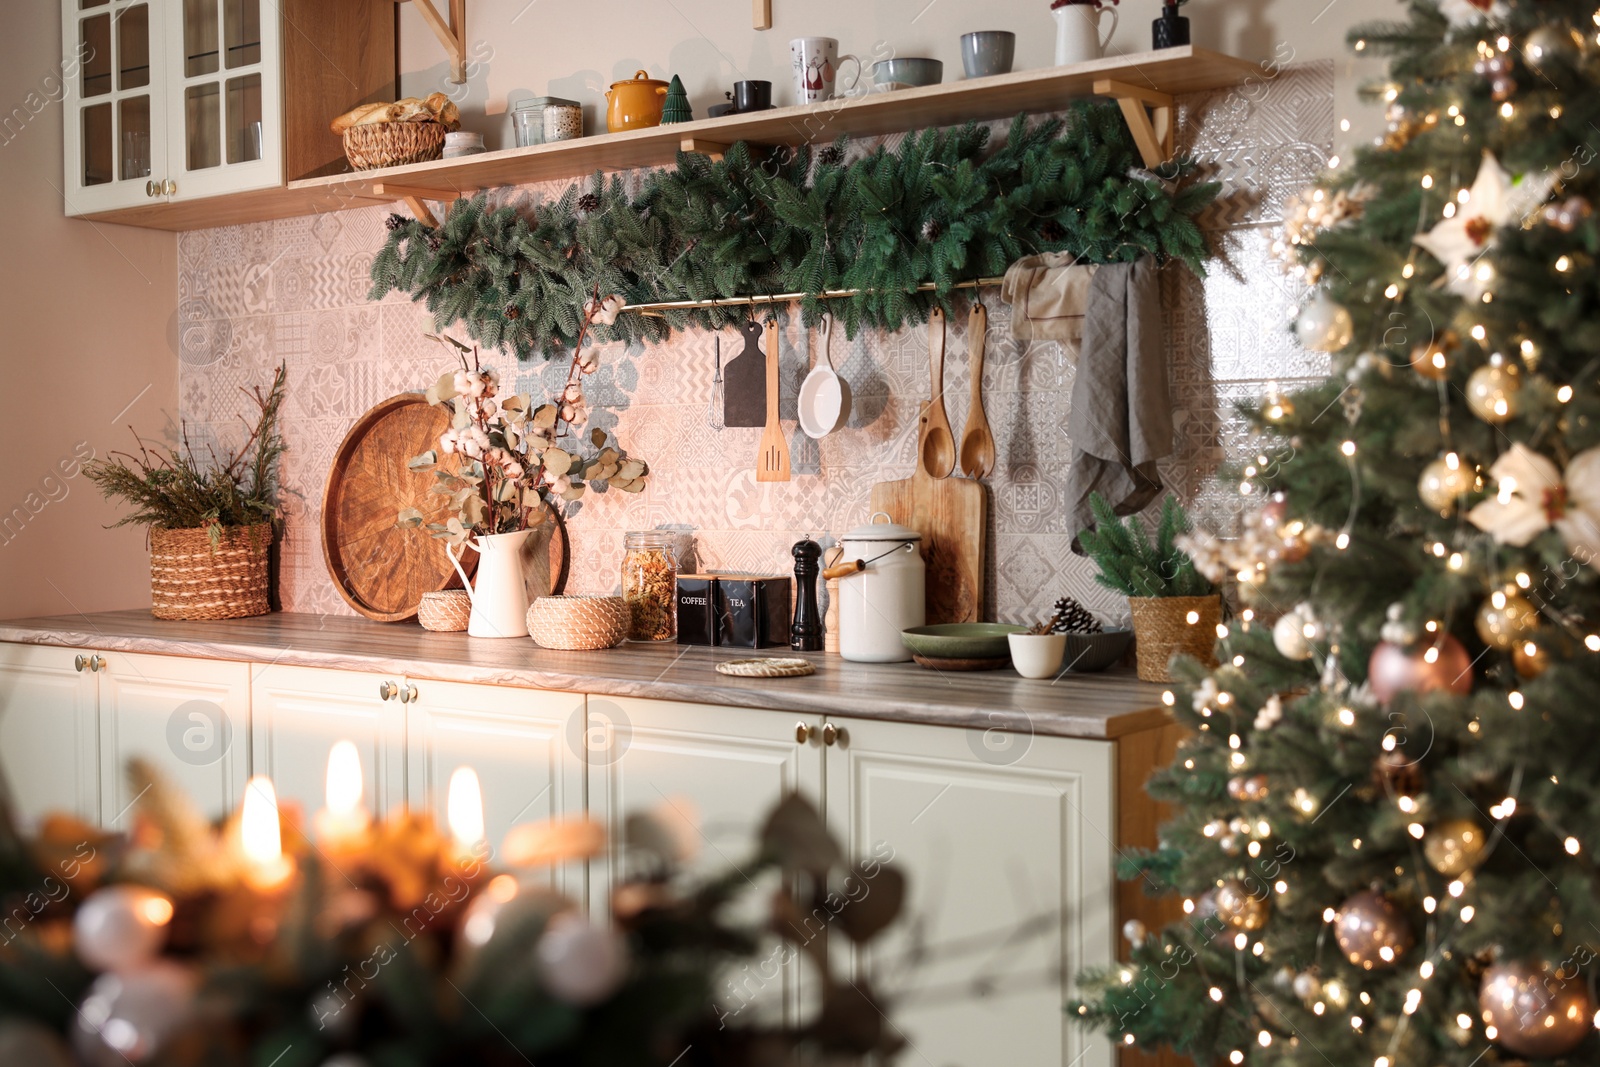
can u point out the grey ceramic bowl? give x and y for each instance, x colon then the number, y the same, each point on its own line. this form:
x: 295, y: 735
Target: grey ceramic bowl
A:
x: 961, y: 640
x: 1095, y: 652
x: 904, y: 70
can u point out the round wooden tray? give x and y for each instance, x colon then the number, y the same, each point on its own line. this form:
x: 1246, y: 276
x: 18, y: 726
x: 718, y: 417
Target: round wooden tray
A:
x: 938, y: 663
x: 381, y: 570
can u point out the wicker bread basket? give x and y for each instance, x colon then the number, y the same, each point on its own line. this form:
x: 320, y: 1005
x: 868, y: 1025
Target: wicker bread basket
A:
x: 578, y: 623
x: 392, y: 144
x: 1162, y: 629
x: 191, y: 580
x: 446, y: 611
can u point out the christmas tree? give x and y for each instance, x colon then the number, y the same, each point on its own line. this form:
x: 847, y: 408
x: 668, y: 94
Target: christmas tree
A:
x: 1386, y: 804
x: 676, y: 107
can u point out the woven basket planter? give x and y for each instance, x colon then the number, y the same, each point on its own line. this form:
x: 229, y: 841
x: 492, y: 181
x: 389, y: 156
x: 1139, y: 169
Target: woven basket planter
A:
x: 393, y: 144
x: 447, y: 611
x: 578, y: 623
x: 191, y: 580
x: 1163, y: 627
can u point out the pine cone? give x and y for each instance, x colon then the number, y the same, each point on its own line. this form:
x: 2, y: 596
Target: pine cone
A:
x: 932, y: 230
x: 394, y: 222
x: 1051, y: 231
x: 830, y: 156
x: 1072, y: 617
x: 513, y: 312
x: 588, y: 203
x: 433, y: 240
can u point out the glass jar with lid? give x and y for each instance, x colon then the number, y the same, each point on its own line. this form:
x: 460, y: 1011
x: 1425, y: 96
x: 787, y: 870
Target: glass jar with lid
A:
x: 538, y: 119
x: 650, y: 584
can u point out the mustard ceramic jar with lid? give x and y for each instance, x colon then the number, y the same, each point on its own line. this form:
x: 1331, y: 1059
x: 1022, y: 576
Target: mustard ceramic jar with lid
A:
x: 635, y: 104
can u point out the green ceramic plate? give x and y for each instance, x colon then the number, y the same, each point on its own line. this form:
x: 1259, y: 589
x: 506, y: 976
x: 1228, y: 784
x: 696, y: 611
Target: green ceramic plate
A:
x: 961, y: 640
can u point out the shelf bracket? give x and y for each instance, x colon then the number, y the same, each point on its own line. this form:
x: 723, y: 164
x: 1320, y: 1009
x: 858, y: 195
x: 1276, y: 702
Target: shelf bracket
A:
x: 416, y: 199
x: 761, y: 14
x: 1149, y: 117
x: 452, y: 34
x: 714, y: 149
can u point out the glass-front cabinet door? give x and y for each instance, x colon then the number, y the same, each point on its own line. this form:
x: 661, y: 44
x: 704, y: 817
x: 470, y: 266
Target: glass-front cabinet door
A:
x: 224, y: 106
x: 112, y: 70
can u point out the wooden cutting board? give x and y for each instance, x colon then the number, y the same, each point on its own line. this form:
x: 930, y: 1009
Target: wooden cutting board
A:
x: 381, y: 570
x: 950, y: 515
x: 744, y: 378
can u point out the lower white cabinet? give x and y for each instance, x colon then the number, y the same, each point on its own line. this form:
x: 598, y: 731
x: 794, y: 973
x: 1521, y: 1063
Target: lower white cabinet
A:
x: 524, y: 745
x: 49, y: 731
x: 298, y: 713
x: 1007, y: 849
x: 723, y: 769
x: 188, y: 717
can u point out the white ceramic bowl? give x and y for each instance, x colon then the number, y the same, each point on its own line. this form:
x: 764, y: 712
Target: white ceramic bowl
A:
x: 1037, y: 655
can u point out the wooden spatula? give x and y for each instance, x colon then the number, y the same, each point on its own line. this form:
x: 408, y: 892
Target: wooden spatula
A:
x: 773, y: 463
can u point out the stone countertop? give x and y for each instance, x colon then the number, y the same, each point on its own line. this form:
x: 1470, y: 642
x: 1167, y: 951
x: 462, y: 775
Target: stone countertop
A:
x: 1099, y: 706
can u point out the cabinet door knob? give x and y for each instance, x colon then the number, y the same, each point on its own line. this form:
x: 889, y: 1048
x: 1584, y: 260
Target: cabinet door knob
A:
x: 151, y: 188
x: 169, y: 187
x: 408, y: 695
x: 830, y: 733
x: 97, y: 663
x: 803, y: 732
x: 387, y: 690
x: 80, y: 663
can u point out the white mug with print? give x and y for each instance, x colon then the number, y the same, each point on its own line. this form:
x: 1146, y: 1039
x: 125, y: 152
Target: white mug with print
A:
x: 816, y: 63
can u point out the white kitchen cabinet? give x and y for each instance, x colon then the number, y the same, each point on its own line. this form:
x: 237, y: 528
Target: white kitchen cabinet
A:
x: 1008, y: 851
x: 169, y: 100
x: 298, y: 713
x: 523, y: 744
x: 188, y: 717
x: 49, y: 731
x: 724, y: 768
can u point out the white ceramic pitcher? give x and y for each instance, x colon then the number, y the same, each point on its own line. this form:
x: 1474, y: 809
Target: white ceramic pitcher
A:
x: 500, y: 594
x: 1078, y: 37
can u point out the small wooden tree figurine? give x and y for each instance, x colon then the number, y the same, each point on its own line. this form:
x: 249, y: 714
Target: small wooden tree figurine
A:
x: 676, y: 108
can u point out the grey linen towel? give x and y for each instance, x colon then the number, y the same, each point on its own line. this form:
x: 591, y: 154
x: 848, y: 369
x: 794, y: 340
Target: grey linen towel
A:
x: 1121, y: 421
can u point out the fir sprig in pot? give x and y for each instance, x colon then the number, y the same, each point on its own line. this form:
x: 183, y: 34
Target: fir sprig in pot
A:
x: 1176, y: 610
x: 211, y: 522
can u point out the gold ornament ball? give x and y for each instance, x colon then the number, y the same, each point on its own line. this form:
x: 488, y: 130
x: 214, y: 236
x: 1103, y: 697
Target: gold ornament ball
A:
x: 1240, y: 908
x: 1432, y: 360
x: 1324, y: 325
x: 1492, y: 392
x: 1371, y: 932
x: 1442, y: 485
x: 1455, y: 847
x: 1530, y: 659
x: 1535, y: 1012
x: 1507, y: 619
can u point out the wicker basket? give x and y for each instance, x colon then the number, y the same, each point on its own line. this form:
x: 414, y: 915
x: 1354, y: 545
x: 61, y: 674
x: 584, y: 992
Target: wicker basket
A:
x: 191, y: 580
x: 392, y: 144
x: 446, y: 611
x: 578, y: 623
x: 1163, y: 627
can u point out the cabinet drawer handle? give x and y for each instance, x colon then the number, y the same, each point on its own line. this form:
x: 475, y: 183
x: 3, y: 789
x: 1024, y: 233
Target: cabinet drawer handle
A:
x: 830, y: 733
x: 408, y: 695
x: 803, y: 732
x: 387, y: 690
x: 80, y: 663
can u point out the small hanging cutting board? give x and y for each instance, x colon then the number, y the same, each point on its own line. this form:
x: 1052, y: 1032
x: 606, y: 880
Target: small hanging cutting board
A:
x: 744, y: 382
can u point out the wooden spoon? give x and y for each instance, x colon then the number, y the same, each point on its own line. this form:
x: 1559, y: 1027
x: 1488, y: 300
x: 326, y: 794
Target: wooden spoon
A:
x: 938, y: 443
x: 773, y: 463
x: 977, y: 442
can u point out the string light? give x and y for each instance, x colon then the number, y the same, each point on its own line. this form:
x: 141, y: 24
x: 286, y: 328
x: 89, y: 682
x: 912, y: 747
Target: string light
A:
x: 1429, y: 904
x: 1564, y: 264
x: 1416, y: 830
x: 1392, y: 292
x: 1514, y: 698
x: 1457, y: 887
x: 1506, y: 110
x: 1479, y: 333
x: 1564, y: 394
x: 1426, y: 970
x: 1572, y: 846
x: 1467, y: 913
x: 1408, y: 270
x: 1427, y: 181
x: 1216, y: 994
x: 1168, y: 699
x: 1592, y: 642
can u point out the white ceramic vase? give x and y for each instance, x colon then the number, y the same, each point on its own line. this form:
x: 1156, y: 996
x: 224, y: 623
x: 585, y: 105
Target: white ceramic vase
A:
x: 1078, y: 35
x: 500, y: 592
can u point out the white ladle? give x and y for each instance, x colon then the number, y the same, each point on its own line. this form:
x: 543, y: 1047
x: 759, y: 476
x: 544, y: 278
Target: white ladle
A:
x: 824, y: 396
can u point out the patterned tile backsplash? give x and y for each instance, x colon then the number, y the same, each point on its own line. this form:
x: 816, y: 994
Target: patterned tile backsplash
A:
x: 295, y: 291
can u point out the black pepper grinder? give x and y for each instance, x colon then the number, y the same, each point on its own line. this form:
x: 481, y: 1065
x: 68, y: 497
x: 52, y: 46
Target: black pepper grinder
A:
x: 806, y: 633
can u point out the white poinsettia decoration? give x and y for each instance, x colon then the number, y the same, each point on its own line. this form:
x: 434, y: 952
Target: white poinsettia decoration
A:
x: 1532, y: 495
x: 1496, y: 199
x: 1472, y: 12
x: 1271, y: 713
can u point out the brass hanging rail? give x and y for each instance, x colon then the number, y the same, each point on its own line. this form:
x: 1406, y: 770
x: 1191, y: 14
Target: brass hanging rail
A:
x: 783, y: 298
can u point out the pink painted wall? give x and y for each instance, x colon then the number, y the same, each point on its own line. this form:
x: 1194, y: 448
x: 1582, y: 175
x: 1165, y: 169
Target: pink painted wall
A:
x: 85, y: 351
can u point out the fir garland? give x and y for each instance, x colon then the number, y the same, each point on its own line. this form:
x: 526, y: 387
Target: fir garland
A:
x: 940, y: 209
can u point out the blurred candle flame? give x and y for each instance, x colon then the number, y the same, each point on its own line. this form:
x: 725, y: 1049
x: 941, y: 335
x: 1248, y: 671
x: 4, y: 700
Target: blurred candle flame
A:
x: 464, y: 808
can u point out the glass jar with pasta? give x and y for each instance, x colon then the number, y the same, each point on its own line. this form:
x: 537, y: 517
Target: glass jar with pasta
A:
x: 649, y: 584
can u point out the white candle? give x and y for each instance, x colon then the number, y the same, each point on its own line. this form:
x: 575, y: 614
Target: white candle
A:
x: 343, y: 822
x: 261, y: 840
x: 464, y: 810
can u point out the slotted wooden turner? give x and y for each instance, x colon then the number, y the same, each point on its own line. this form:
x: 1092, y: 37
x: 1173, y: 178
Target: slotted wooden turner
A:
x: 773, y: 463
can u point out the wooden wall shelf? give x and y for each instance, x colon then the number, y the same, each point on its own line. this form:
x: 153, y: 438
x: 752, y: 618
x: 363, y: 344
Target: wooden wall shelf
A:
x: 1145, y: 80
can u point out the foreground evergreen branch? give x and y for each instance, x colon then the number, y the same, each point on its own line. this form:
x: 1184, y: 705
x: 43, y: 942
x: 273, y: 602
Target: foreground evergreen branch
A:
x: 940, y: 209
